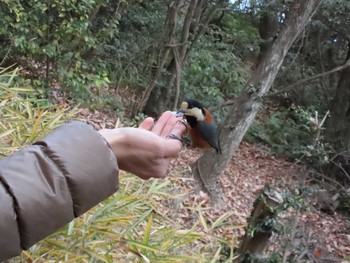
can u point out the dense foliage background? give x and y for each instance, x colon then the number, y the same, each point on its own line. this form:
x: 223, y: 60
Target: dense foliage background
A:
x: 138, y: 58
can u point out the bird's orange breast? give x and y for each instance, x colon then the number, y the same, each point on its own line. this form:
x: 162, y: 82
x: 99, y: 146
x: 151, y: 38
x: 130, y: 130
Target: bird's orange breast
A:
x: 197, y: 139
x: 208, y: 117
x: 196, y: 135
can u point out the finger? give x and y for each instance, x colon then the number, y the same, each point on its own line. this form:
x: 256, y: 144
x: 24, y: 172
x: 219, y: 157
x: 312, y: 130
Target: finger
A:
x: 172, y: 147
x: 147, y: 124
x: 178, y: 129
x: 160, y: 124
x: 169, y: 126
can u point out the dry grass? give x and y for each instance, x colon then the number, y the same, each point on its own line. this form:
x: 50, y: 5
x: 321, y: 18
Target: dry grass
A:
x: 132, y: 225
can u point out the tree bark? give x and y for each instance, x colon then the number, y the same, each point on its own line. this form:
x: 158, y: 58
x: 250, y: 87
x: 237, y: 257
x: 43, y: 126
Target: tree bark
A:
x: 338, y: 126
x: 261, y: 225
x: 242, y: 113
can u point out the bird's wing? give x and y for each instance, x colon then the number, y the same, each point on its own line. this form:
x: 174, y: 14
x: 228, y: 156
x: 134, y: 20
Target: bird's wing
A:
x: 210, y: 133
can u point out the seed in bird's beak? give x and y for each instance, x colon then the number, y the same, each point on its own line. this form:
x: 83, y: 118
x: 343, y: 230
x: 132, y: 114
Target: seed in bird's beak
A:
x: 177, y: 113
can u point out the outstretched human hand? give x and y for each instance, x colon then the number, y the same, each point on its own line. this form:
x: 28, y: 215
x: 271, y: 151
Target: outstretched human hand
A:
x: 146, y: 151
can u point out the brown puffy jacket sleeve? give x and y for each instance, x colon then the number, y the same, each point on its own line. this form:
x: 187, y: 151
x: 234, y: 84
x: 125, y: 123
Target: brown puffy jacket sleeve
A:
x: 46, y: 185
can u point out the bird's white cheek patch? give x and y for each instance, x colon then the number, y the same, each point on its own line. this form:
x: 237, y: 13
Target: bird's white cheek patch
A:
x: 198, y: 114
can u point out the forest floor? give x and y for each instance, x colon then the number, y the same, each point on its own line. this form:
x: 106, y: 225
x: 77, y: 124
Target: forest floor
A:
x: 308, y: 235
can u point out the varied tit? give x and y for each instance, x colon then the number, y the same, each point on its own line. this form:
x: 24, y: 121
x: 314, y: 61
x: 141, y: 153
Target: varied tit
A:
x: 200, y: 122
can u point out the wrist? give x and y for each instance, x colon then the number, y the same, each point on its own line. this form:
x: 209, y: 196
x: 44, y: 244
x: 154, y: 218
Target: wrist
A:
x: 118, y: 143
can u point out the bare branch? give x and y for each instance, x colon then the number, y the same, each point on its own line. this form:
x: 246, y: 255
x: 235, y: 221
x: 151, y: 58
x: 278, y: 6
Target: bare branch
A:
x: 299, y: 84
x: 186, y: 27
x: 224, y: 104
x: 178, y: 76
x: 331, y: 182
x: 341, y: 168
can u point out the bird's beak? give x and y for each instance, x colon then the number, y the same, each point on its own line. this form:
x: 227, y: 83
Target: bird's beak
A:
x: 178, y: 113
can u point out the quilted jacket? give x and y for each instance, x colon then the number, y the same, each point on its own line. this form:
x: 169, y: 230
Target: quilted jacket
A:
x: 46, y: 185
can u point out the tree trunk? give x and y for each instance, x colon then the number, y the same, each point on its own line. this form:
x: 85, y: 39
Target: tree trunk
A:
x: 261, y: 225
x: 242, y: 113
x: 338, y: 126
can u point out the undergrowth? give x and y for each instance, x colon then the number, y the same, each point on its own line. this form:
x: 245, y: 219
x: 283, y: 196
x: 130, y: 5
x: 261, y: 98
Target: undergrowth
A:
x: 24, y: 115
x: 293, y: 134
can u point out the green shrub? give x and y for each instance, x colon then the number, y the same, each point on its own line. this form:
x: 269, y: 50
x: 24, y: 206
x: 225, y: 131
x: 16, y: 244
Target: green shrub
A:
x: 60, y: 41
x: 291, y: 133
x: 215, y: 71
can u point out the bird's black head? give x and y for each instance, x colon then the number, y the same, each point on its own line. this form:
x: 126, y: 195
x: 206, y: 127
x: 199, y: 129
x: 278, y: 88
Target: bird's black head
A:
x: 192, y: 110
x: 193, y: 104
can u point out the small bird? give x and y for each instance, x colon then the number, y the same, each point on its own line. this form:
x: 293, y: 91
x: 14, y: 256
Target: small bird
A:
x: 200, y: 123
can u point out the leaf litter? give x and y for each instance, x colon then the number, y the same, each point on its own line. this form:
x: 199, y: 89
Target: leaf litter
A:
x: 318, y: 237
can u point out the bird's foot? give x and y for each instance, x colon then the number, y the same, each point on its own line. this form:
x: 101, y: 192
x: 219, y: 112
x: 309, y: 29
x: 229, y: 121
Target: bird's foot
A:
x: 184, y: 141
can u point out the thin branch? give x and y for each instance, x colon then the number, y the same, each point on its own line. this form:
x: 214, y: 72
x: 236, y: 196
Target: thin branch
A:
x: 338, y: 154
x: 319, y: 127
x: 6, y: 55
x: 299, y: 84
x: 324, y: 119
x: 186, y: 27
x: 222, y: 105
x: 299, y: 49
x: 334, y: 182
x: 178, y: 76
x: 341, y: 168
x: 203, y: 28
